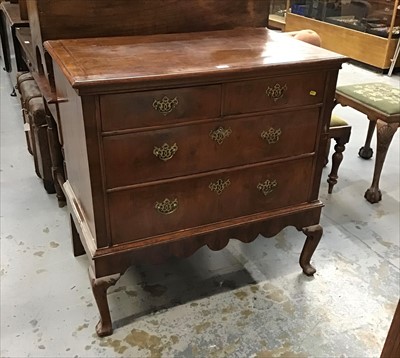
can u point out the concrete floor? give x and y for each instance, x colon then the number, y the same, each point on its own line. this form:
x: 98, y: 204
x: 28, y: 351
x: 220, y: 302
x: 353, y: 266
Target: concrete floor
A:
x: 248, y: 300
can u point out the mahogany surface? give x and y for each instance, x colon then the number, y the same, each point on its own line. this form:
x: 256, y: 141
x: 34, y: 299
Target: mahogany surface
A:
x: 53, y: 20
x: 263, y: 176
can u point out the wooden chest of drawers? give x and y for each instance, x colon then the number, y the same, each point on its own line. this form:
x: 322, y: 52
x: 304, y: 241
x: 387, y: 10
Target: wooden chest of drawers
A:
x: 173, y: 142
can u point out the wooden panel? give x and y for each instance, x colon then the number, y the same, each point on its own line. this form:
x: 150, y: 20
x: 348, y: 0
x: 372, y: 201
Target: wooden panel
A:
x: 133, y: 214
x: 95, y: 18
x: 146, y: 109
x: 274, y: 93
x: 130, y: 159
x: 360, y: 46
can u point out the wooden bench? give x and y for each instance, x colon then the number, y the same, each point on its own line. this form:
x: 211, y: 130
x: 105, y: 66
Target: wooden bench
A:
x: 380, y: 103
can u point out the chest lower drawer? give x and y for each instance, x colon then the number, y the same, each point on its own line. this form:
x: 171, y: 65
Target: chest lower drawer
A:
x: 152, y: 108
x: 160, y: 154
x: 274, y: 93
x: 189, y: 202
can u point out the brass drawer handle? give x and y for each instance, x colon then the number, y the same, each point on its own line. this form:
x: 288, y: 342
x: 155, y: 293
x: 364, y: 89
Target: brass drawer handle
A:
x: 167, y: 206
x: 267, y: 187
x: 165, y: 152
x: 219, y: 186
x: 276, y: 92
x: 220, y: 134
x: 271, y: 135
x: 165, y: 105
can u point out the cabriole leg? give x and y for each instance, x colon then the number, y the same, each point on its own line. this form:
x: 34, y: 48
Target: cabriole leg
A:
x: 385, y: 132
x: 99, y: 288
x: 313, y: 234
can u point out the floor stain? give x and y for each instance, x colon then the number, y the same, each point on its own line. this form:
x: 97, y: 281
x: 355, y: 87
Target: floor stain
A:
x: 21, y: 243
x: 228, y: 309
x: 144, y: 340
x: 155, y: 322
x: 284, y: 352
x: 155, y: 290
x: 384, y: 243
x: 40, y: 271
x: 54, y: 244
x: 39, y: 253
x: 2, y: 272
x: 246, y: 313
x: 194, y: 304
x: 174, y: 339
x: 241, y: 295
x: 119, y: 289
x: 205, y: 312
x: 9, y: 237
x: 202, y: 327
x: 87, y: 348
x: 254, y: 288
x: 81, y: 327
x: 34, y: 322
x: 42, y: 347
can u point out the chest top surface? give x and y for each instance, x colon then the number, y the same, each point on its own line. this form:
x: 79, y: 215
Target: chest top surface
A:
x: 98, y: 64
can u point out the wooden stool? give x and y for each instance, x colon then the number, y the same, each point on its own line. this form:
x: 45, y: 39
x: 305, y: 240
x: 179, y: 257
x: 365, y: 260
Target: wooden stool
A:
x: 380, y: 103
x: 340, y: 131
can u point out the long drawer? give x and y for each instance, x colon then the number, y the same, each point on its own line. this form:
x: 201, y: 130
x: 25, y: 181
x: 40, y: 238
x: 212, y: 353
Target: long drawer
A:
x: 193, y: 201
x: 274, y: 93
x: 163, y: 107
x: 159, y: 154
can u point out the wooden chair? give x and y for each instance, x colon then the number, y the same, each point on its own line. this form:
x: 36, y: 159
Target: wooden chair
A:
x: 340, y: 131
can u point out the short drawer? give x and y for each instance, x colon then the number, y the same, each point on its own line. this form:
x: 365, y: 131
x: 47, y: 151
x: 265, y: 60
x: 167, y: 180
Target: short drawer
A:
x: 160, y: 154
x: 194, y: 201
x: 274, y: 93
x: 152, y: 108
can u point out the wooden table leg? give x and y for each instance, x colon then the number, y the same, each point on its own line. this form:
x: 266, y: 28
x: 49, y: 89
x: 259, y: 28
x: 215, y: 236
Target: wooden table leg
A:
x: 314, y: 234
x: 385, y: 132
x: 99, y: 288
x: 366, y: 151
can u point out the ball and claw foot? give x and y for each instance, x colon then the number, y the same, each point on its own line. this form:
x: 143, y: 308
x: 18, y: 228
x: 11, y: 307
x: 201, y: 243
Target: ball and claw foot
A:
x: 365, y: 153
x: 103, y: 330
x: 373, y: 195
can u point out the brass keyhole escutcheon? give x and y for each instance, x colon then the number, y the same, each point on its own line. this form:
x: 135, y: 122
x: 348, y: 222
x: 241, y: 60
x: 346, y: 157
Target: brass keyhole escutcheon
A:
x: 272, y: 135
x: 276, y: 92
x: 167, y: 206
x: 219, y: 186
x: 220, y: 134
x: 165, y: 105
x: 165, y: 152
x: 267, y: 187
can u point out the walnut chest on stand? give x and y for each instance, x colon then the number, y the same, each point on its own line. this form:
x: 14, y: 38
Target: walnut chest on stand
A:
x: 177, y: 141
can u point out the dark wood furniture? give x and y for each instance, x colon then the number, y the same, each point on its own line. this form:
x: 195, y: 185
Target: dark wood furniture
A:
x: 182, y: 140
x: 387, y: 125
x: 50, y: 20
x: 339, y: 131
x: 391, y: 348
x: 10, y: 19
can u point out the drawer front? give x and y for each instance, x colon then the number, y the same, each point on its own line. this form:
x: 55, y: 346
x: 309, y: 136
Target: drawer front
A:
x: 159, y: 154
x: 157, y: 209
x: 274, y: 93
x: 146, y: 109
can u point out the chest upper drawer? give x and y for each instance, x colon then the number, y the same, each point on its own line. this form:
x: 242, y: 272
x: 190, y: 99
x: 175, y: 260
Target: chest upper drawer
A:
x: 152, y: 108
x: 165, y: 153
x: 193, y: 201
x: 274, y: 93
